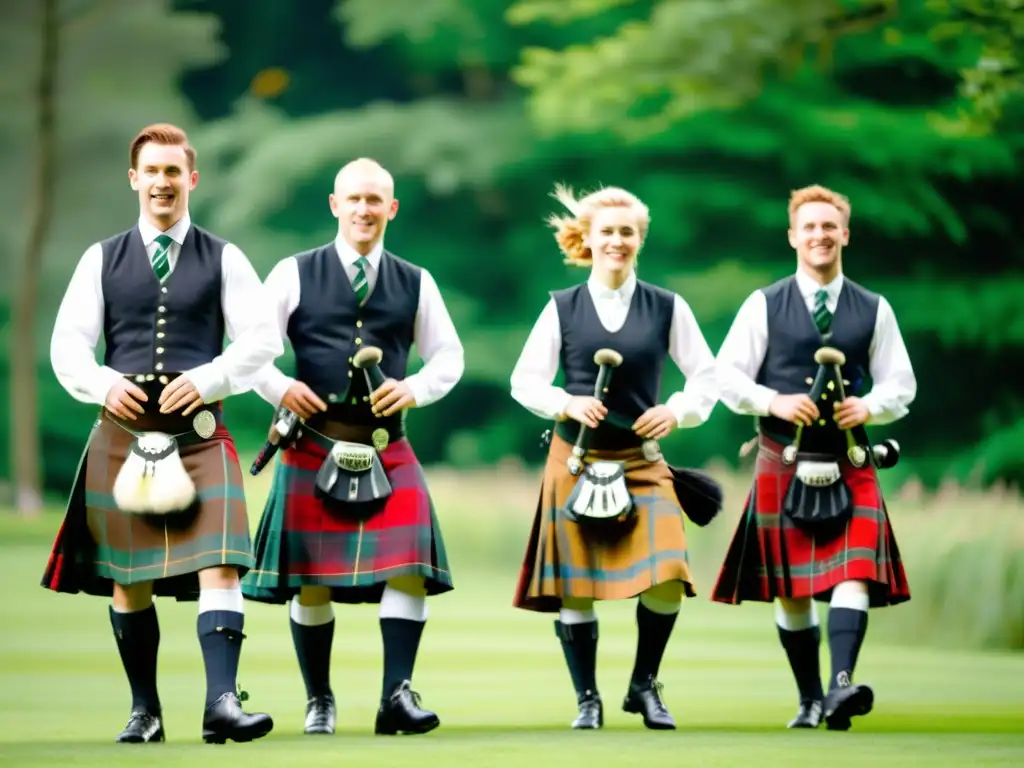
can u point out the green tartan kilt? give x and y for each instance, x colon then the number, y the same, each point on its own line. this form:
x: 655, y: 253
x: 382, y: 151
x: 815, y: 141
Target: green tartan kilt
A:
x: 98, y: 545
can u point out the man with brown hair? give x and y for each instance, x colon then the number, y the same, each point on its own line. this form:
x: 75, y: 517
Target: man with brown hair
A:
x: 158, y: 505
x: 815, y: 525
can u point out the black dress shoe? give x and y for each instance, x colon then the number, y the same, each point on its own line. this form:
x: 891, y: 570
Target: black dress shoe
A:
x: 320, y: 714
x: 143, y: 727
x: 809, y: 715
x: 591, y: 715
x: 401, y: 712
x: 846, y: 701
x: 224, y: 719
x: 645, y: 699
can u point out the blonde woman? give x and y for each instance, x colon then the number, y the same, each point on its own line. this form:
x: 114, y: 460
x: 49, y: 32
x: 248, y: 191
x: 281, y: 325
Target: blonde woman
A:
x: 571, y: 562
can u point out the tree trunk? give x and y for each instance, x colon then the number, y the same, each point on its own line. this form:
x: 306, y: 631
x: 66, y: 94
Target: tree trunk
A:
x: 25, y: 445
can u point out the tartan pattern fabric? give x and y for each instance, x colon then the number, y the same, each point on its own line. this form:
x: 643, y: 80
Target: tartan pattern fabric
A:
x: 98, y: 545
x: 301, y: 542
x: 564, y: 559
x: 822, y: 317
x: 361, y: 285
x: 161, y: 260
x: 770, y: 557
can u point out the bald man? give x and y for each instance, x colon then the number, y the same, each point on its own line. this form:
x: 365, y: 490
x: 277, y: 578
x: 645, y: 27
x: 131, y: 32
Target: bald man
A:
x: 315, y: 546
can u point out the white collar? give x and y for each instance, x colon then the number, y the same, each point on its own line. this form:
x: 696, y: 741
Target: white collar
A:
x: 349, y: 256
x: 623, y: 293
x: 177, y: 232
x: 809, y: 286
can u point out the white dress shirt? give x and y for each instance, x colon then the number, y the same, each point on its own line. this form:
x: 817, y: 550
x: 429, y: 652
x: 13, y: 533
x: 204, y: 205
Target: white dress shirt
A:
x: 79, y: 325
x: 746, y: 344
x: 434, y: 333
x: 539, y: 361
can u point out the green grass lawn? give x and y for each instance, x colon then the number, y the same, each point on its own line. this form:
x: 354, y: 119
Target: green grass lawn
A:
x: 496, y: 677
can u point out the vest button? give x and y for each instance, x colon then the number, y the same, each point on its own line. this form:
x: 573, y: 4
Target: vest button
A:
x: 163, y: 290
x: 161, y: 321
x: 332, y: 397
x: 359, y: 323
x: 161, y: 308
x: 358, y: 340
x: 160, y: 334
x: 159, y: 366
x: 350, y: 374
x: 159, y: 350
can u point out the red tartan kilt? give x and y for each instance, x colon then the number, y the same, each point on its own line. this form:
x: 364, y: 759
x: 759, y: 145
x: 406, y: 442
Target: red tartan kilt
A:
x: 302, y: 542
x: 307, y: 514
x: 771, y: 557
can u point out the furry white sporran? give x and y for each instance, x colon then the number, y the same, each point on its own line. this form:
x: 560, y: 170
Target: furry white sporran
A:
x: 153, y: 480
x: 600, y: 495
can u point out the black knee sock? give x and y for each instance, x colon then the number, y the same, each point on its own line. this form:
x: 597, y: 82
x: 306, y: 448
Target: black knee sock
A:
x: 138, y: 639
x: 653, y: 631
x: 846, y: 629
x: 313, y: 649
x: 220, y: 637
x: 401, y: 638
x: 579, y: 644
x: 802, y: 649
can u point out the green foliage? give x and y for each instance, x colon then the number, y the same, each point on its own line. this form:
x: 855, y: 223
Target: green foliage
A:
x: 996, y: 73
x: 681, y: 59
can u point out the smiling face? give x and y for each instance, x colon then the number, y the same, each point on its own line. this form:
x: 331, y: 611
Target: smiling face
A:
x: 163, y: 178
x: 818, y: 233
x: 614, y: 239
x: 363, y: 203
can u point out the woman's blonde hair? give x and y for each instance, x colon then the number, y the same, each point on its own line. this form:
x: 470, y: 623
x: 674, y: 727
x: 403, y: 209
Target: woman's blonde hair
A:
x: 570, y: 231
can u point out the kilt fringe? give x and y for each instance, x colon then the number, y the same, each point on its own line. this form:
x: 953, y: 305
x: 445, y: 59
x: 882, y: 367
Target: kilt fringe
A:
x: 564, y: 559
x: 300, y: 542
x: 97, y: 545
x: 770, y: 557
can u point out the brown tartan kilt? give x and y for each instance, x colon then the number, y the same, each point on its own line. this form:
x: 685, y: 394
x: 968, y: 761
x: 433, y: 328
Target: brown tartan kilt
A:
x: 98, y: 545
x: 564, y: 559
x: 770, y: 557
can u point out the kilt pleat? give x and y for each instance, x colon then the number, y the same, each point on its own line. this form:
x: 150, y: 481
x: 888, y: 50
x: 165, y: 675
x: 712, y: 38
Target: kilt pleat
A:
x: 769, y: 556
x: 300, y: 542
x: 564, y: 559
x: 97, y: 545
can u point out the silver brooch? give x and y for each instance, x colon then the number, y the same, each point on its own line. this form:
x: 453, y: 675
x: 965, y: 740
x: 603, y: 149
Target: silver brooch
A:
x: 205, y: 424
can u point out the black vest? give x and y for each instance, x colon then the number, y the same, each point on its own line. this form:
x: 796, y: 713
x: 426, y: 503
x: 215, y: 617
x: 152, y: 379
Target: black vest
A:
x: 643, y: 343
x: 328, y: 327
x: 793, y: 339
x: 149, y: 327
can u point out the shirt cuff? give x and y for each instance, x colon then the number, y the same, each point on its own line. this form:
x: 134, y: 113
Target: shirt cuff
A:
x: 762, y: 400
x: 210, y: 381
x: 105, y: 378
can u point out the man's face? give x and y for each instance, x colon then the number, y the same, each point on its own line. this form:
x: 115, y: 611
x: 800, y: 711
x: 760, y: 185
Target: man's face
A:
x: 818, y: 234
x: 163, y: 180
x: 363, y: 203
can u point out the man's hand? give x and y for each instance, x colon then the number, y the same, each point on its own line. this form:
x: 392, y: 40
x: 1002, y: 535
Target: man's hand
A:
x: 656, y: 422
x: 178, y: 393
x: 391, y: 397
x: 851, y: 413
x: 586, y: 410
x: 798, y: 409
x: 123, y: 398
x: 302, y: 401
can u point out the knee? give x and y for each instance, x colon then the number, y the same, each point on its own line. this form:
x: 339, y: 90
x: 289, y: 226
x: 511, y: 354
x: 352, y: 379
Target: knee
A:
x: 852, y: 595
x: 410, y: 585
x: 577, y: 610
x: 219, y: 577
x: 663, y: 598
x: 130, y: 598
x: 794, y: 614
x: 313, y: 596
